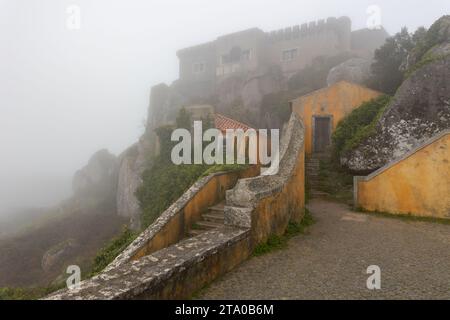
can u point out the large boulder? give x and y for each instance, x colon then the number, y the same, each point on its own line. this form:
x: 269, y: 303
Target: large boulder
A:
x: 419, y: 110
x: 356, y: 70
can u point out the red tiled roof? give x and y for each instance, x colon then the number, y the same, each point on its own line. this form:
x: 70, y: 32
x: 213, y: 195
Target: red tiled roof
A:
x: 223, y: 123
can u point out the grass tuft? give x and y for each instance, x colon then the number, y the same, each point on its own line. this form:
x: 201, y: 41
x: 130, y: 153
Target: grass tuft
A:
x: 276, y: 242
x: 405, y: 217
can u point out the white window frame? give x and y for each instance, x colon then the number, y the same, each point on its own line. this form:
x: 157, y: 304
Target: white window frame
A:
x: 195, y: 64
x: 292, y: 57
x: 250, y: 55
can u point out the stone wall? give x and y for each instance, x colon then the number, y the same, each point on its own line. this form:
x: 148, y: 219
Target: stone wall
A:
x: 173, y: 224
x: 256, y: 208
x: 417, y: 184
x: 266, y: 204
x: 321, y: 38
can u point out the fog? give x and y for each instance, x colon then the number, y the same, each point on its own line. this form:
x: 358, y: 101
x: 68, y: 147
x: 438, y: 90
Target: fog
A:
x: 65, y: 94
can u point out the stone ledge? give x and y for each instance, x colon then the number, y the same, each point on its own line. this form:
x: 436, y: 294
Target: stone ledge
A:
x: 148, y: 275
x: 248, y: 192
x: 148, y: 234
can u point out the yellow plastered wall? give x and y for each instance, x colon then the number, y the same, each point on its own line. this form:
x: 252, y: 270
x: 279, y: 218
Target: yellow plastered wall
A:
x: 175, y: 229
x: 418, y: 185
x: 337, y: 101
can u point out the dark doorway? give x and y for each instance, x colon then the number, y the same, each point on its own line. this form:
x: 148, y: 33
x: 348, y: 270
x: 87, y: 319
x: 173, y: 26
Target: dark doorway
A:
x: 321, y: 133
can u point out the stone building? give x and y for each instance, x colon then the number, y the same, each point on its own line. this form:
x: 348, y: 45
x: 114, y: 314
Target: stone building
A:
x: 205, y: 66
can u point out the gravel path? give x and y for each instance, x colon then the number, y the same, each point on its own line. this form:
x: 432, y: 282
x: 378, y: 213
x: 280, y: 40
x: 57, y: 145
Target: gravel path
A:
x: 330, y: 261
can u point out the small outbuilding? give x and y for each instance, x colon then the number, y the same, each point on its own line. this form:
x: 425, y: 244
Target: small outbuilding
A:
x: 322, y: 110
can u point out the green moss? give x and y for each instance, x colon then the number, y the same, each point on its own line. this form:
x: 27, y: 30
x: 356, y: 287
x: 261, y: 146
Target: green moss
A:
x: 427, y: 59
x: 405, y: 217
x: 336, y: 181
x: 276, y: 242
x: 162, y: 185
x: 225, y: 168
x: 112, y: 250
x: 358, y: 125
x: 28, y: 293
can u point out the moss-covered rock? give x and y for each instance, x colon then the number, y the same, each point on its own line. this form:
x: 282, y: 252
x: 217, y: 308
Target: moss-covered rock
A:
x: 419, y: 110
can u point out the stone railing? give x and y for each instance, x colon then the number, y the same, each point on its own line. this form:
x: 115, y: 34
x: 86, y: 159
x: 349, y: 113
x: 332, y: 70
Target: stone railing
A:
x: 173, y: 224
x: 256, y: 208
x: 266, y: 204
x: 417, y: 183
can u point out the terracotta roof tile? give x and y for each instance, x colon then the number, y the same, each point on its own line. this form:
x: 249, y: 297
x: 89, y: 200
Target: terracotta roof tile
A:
x: 223, y: 123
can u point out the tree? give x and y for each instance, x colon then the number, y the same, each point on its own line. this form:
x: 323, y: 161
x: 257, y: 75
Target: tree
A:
x: 387, y: 76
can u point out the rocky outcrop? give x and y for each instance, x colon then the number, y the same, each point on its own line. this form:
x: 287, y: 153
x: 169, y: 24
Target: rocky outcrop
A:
x: 98, y: 179
x: 57, y: 254
x: 248, y: 90
x: 114, y: 180
x: 131, y: 168
x: 419, y: 110
x: 355, y: 70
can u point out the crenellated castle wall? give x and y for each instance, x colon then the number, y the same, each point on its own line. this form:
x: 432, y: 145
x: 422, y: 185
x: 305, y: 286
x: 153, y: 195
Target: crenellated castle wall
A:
x: 253, y: 49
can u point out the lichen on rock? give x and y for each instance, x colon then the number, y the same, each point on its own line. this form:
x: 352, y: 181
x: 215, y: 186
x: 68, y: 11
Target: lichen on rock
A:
x: 419, y: 110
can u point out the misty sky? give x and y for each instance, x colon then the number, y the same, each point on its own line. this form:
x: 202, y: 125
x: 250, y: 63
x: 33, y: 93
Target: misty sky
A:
x: 65, y: 94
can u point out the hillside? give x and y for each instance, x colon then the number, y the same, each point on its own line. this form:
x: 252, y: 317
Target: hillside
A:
x: 73, y: 237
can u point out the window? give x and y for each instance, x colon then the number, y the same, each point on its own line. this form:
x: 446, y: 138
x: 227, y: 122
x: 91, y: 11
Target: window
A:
x: 199, y: 67
x: 246, y: 55
x: 288, y: 55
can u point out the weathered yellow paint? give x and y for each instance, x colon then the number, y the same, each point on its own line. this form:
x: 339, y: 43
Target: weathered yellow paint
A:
x: 418, y: 184
x: 273, y: 213
x: 210, y: 194
x: 336, y: 101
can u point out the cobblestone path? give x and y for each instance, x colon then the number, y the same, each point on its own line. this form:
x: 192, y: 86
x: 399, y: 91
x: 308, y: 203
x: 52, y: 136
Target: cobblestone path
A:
x: 331, y: 260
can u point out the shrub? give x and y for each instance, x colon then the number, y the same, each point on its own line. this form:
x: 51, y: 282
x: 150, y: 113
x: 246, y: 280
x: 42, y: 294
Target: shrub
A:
x: 28, y: 293
x: 112, y: 250
x: 162, y: 185
x: 358, y: 125
x: 275, y: 242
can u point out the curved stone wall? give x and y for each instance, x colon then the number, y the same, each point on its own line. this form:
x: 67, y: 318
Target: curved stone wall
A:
x: 173, y: 224
x: 266, y: 204
x: 256, y: 208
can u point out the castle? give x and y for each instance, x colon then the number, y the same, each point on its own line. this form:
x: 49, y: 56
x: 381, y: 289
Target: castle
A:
x: 204, y: 66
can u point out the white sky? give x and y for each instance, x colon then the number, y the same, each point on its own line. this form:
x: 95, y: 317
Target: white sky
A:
x: 65, y: 94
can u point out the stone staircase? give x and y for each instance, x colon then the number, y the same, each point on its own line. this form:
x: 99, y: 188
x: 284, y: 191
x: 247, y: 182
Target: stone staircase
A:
x: 212, y: 219
x: 312, y: 174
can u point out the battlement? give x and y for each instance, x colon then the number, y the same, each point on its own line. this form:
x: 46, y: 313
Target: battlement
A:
x: 310, y: 29
x: 332, y: 24
x: 253, y: 49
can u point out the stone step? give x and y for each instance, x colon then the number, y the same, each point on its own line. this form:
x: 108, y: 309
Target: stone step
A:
x: 214, y: 216
x: 208, y: 225
x: 315, y: 193
x: 218, y: 208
